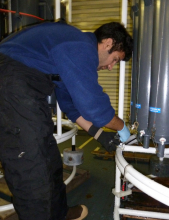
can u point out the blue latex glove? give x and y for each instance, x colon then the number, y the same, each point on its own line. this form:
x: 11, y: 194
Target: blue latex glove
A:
x: 124, y: 134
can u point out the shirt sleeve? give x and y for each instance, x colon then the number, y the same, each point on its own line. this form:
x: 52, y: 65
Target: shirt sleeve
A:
x: 76, y: 63
x: 65, y: 102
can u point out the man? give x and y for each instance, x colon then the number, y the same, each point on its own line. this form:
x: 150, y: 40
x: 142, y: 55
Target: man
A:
x: 33, y: 63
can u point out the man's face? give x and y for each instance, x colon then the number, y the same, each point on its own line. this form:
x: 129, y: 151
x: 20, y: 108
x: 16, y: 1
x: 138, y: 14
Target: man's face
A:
x: 106, y: 60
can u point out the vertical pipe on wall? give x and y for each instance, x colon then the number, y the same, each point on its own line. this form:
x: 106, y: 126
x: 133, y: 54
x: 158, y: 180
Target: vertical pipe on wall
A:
x: 144, y: 69
x: 69, y: 10
x: 57, y: 10
x: 122, y: 64
x: 120, y: 109
x: 9, y: 17
x: 159, y: 97
x: 135, y: 16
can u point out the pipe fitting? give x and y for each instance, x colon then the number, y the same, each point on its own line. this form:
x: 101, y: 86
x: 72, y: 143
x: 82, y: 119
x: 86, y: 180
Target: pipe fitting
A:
x: 142, y: 132
x: 162, y: 140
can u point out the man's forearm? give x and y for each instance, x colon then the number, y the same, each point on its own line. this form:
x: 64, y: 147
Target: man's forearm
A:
x: 83, y: 123
x: 115, y: 124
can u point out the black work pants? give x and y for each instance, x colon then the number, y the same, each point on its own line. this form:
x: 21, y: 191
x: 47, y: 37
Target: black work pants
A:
x: 28, y: 151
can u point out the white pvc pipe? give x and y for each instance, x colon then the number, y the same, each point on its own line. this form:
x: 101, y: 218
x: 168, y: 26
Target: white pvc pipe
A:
x: 122, y: 64
x: 150, y: 187
x: 120, y: 108
x: 73, y: 140
x: 71, y: 176
x: 145, y: 214
x: 118, y: 189
x: 70, y: 10
x: 140, y: 149
x: 59, y: 123
x: 147, y: 181
x: 121, y: 89
x: 57, y: 9
x: 67, y: 135
x: 124, y: 12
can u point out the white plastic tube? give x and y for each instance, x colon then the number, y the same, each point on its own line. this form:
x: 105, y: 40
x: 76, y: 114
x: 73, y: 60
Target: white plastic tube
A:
x: 70, y: 10
x: 150, y: 187
x: 145, y: 214
x: 57, y: 9
x: 122, y: 64
x: 128, y: 169
x: 120, y: 107
x: 140, y: 149
x: 71, y: 176
x: 118, y: 189
x: 67, y: 135
x: 59, y: 121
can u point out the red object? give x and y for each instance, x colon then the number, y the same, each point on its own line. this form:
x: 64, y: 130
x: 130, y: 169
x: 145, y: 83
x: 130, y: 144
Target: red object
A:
x: 123, y: 189
x: 21, y: 13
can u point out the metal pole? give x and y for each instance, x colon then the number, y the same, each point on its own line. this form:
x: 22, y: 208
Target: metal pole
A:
x: 9, y: 18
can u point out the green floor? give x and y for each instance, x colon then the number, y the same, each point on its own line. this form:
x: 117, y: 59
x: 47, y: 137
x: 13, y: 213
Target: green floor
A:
x: 96, y: 192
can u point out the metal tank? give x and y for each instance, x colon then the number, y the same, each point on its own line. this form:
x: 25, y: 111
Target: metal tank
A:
x: 144, y: 69
x: 159, y: 98
x: 135, y: 15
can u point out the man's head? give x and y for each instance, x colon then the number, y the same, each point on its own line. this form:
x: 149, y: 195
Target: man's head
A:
x: 114, y: 44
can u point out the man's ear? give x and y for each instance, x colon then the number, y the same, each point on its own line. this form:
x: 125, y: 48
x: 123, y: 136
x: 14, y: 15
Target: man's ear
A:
x: 108, y: 43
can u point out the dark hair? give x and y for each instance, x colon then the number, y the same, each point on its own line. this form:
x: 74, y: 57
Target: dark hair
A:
x: 122, y: 41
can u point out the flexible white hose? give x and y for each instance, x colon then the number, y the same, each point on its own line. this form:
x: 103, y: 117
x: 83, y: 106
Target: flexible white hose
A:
x: 145, y: 214
x: 71, y: 176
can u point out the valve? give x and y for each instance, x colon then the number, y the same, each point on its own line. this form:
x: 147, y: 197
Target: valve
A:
x: 162, y: 140
x: 142, y: 132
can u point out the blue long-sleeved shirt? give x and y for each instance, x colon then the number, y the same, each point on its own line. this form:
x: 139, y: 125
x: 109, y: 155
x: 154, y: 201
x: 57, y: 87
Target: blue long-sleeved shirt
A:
x: 55, y: 48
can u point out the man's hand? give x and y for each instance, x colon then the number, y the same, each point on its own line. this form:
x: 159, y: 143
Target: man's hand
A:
x: 124, y: 134
x: 106, y: 139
